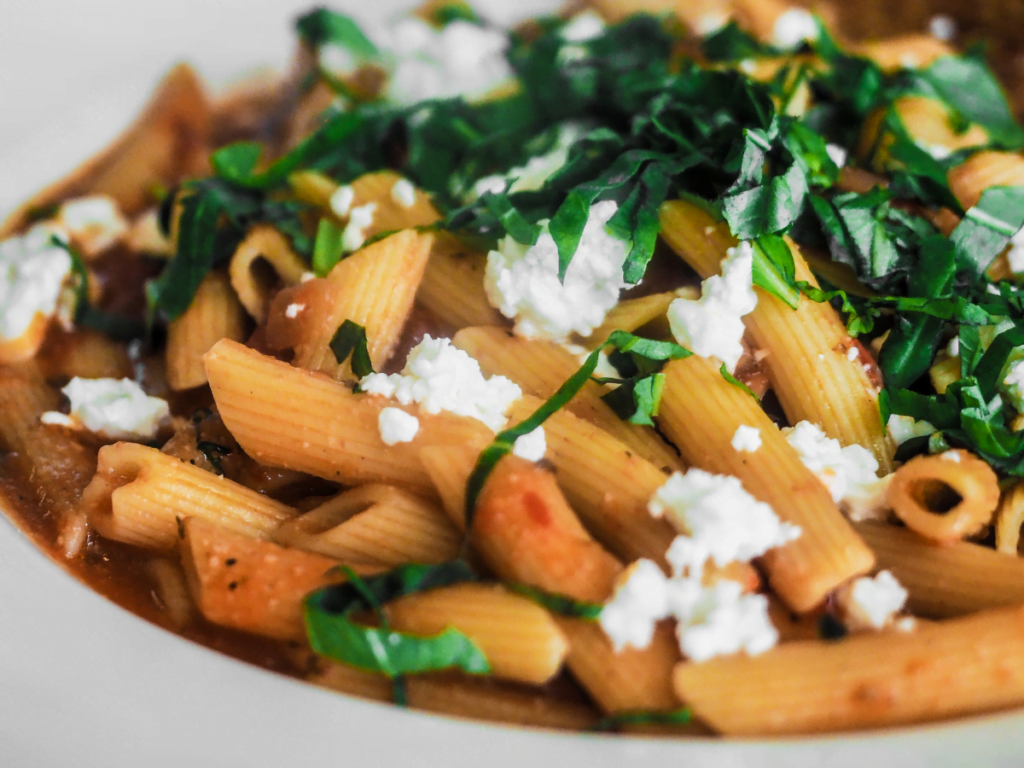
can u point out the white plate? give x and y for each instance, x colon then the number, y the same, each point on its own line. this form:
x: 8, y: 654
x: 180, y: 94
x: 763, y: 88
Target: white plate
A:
x: 84, y: 683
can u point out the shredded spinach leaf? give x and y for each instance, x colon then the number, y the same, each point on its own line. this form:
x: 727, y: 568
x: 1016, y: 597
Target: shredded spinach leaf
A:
x: 559, y: 604
x: 643, y: 717
x: 350, y: 339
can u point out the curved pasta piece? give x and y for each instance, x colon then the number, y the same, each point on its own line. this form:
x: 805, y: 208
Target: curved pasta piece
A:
x: 261, y: 261
x: 1009, y: 518
x: 983, y: 170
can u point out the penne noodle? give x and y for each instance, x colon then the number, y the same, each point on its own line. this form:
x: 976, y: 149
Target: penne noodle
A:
x: 958, y: 667
x: 139, y: 495
x: 1009, y: 518
x: 983, y: 170
x: 84, y: 353
x: 172, y: 590
x: 287, y: 417
x: 374, y: 288
x: 262, y: 261
x: 540, y: 368
x: 452, y: 288
x: 215, y: 314
x: 24, y: 396
x: 914, y: 51
x: 631, y: 314
x: 700, y: 413
x: 808, y: 348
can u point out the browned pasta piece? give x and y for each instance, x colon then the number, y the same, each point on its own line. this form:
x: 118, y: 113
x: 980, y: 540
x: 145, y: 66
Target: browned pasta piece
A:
x: 944, y: 372
x: 24, y: 396
x: 983, y: 170
x: 465, y: 696
x: 630, y: 314
x: 85, y: 353
x: 700, y: 413
x: 374, y: 288
x: 287, y: 417
x: 375, y: 525
x: 452, y: 288
x: 927, y: 120
x: 916, y: 51
x: 262, y: 261
x: 519, y: 638
x: 214, y: 314
x: 526, y: 532
x: 1009, y: 518
x: 540, y: 368
x: 166, y: 142
x: 946, y: 497
x: 606, y: 483
x: 139, y: 494
x: 391, y: 214
x: 248, y: 584
x: 946, y: 580
x: 175, y: 601
x: 957, y: 667
x: 809, y: 360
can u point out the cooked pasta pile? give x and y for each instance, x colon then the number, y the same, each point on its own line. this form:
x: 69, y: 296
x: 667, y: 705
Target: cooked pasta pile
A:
x: 627, y: 370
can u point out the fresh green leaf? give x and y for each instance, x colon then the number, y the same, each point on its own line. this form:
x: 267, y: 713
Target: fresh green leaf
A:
x: 774, y: 270
x: 327, y: 248
x: 322, y: 26
x: 350, y: 339
x: 732, y: 43
x: 558, y: 604
x: 987, y: 227
x: 643, y: 717
x: 736, y: 382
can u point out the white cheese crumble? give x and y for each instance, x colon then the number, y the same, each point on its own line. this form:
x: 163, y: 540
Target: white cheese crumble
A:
x: 710, y: 23
x: 871, y: 603
x: 746, y: 439
x: 292, y: 310
x: 341, y: 200
x: 118, y: 409
x: 953, y: 348
x: 794, y: 27
x: 845, y: 471
x: 717, y: 518
x: 953, y: 456
x: 712, y: 326
x: 1013, y: 384
x: 837, y: 154
x: 1015, y: 256
x: 359, y: 219
x: 538, y: 169
x: 441, y: 377
x: 583, y: 27
x: 404, y: 193
x: 397, y: 426
x: 532, y: 446
x: 94, y: 223
x: 720, y: 620
x: 58, y: 419
x: 852, y: 354
x: 942, y: 28
x: 522, y: 282
x: 462, y: 59
x: 639, y: 602
x: 903, y: 428
x: 32, y: 273
x: 937, y: 151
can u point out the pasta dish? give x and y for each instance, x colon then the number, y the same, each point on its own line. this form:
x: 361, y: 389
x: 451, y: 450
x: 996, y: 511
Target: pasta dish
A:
x: 652, y: 367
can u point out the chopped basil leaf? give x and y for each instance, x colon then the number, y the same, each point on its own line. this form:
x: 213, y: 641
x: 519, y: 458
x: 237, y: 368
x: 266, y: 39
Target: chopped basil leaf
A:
x: 774, y: 270
x: 987, y: 227
x: 731, y: 43
x: 643, y: 717
x: 322, y: 26
x: 327, y: 248
x: 736, y: 382
x: 350, y: 339
x: 559, y: 604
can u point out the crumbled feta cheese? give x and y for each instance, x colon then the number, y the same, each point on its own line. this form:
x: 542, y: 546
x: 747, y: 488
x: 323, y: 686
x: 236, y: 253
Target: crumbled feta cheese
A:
x: 1015, y: 256
x: 848, y: 471
x: 495, y: 183
x: 32, y: 273
x: 404, y: 193
x: 341, y: 200
x: 1013, y: 384
x: 522, y: 280
x: 937, y: 151
x: 837, y: 154
x: 748, y: 66
x: 953, y: 348
x: 115, y: 408
x: 604, y: 368
x: 58, y: 419
x: 359, y: 219
x: 441, y: 377
x: 292, y: 310
x: 942, y: 28
x: 909, y: 61
x: 720, y: 619
x: 531, y: 446
x: 710, y: 23
x: 718, y: 519
x: 537, y: 170
x: 712, y: 326
x: 583, y: 27
x: 397, y: 426
x: 953, y: 456
x: 794, y: 27
x: 852, y: 354
x: 639, y: 602
x: 871, y: 603
x: 94, y: 223
x: 746, y: 439
x: 903, y: 428
x: 462, y: 59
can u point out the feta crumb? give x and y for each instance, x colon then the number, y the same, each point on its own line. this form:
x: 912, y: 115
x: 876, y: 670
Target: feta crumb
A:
x: 639, y: 602
x: 58, y: 419
x: 531, y: 446
x: 359, y: 219
x: 306, y: 277
x: 909, y: 61
x: 937, y: 151
x: 538, y: 169
x: 748, y: 66
x: 746, y: 439
x: 712, y: 326
x: 32, y: 274
x: 720, y: 619
x: 441, y: 377
x: 710, y: 23
x: 794, y: 27
x: 942, y: 28
x: 604, y: 368
x: 852, y: 354
x: 1013, y: 384
x: 837, y: 154
x: 495, y: 183
x: 871, y: 603
x: 341, y: 201
x: 94, y: 223
x: 404, y: 193
x: 116, y: 408
x: 718, y: 519
x: 1015, y: 256
x: 583, y: 27
x: 953, y: 456
x: 397, y: 426
x: 953, y: 348
x: 522, y: 280
x: 903, y: 428
x: 292, y: 310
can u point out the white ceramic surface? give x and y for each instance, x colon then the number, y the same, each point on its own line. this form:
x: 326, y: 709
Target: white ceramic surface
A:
x: 83, y: 683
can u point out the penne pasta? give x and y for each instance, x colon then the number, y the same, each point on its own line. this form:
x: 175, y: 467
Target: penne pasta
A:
x: 262, y: 261
x: 452, y: 288
x: 631, y: 314
x: 983, y: 170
